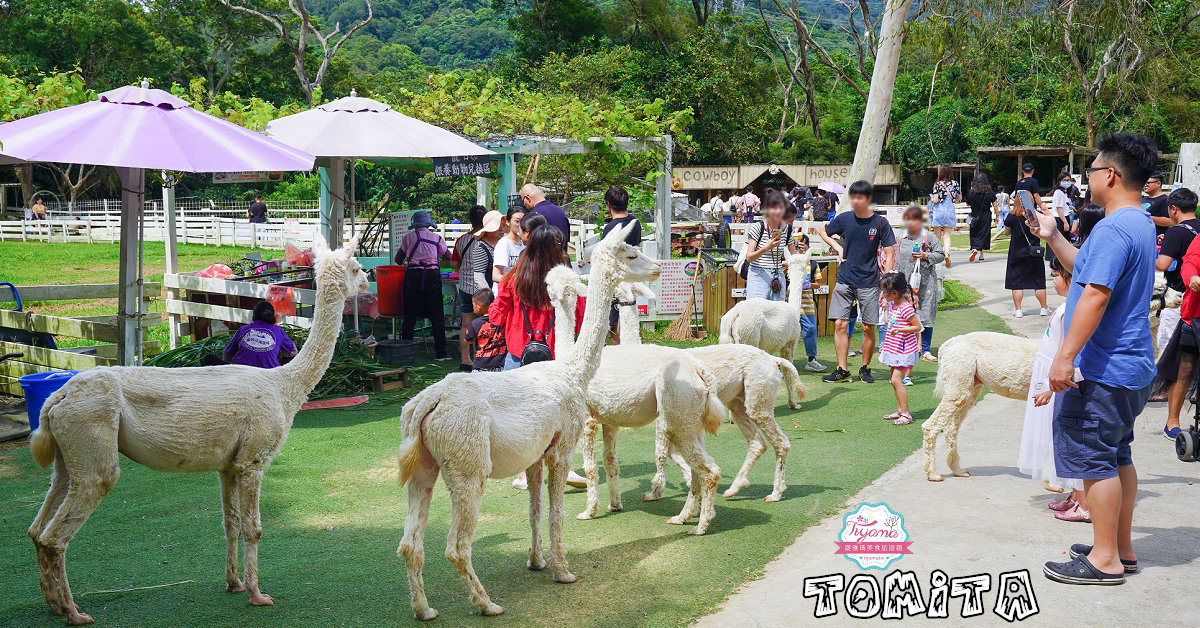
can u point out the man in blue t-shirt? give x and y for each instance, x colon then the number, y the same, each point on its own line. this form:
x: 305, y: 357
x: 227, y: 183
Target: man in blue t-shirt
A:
x: 535, y: 201
x: 864, y: 235
x: 1107, y: 337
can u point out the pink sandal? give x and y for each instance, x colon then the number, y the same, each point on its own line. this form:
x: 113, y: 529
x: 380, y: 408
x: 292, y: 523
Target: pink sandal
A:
x: 904, y: 419
x: 891, y: 417
x: 1063, y: 505
x: 1074, y: 514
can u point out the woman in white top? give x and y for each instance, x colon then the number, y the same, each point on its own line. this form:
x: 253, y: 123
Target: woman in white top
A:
x: 1063, y: 203
x: 509, y: 248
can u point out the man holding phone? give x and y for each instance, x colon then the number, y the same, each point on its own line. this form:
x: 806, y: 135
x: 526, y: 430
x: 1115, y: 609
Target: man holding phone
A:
x: 1107, y: 336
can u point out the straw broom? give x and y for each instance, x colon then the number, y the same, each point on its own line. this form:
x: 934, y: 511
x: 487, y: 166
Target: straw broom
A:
x: 681, y: 328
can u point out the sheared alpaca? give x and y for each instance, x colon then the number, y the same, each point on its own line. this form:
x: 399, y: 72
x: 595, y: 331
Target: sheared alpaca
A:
x: 470, y: 427
x: 639, y: 384
x: 231, y: 419
x: 772, y: 326
x: 747, y: 379
x: 967, y: 363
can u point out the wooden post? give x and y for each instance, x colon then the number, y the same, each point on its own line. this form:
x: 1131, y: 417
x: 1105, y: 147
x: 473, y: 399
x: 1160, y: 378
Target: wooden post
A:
x: 133, y: 191
x: 662, y: 203
x: 508, y: 182
x: 172, y: 254
x: 333, y: 201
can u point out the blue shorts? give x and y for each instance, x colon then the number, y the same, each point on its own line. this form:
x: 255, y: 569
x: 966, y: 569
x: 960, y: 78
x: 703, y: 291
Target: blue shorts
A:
x: 465, y: 303
x: 1093, y: 427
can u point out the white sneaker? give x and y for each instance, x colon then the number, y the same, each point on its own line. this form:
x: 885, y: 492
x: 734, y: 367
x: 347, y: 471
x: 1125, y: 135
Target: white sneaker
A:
x: 575, y: 480
x: 1018, y: 314
x: 1045, y: 311
x: 814, y: 366
x: 851, y: 354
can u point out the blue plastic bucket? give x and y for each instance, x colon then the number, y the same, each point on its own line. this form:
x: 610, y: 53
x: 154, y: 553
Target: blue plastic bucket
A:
x: 38, y: 387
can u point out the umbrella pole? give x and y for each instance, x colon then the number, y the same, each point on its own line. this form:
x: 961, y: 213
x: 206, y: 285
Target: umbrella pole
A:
x: 133, y: 189
x: 357, y: 332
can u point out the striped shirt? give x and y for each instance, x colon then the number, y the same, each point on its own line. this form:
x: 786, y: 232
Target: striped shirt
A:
x: 476, y: 267
x: 807, y: 305
x: 772, y: 259
x: 900, y: 343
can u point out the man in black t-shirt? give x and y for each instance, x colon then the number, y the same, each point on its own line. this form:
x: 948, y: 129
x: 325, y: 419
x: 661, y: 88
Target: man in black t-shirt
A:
x: 258, y: 210
x: 1155, y: 202
x: 1028, y: 183
x: 616, y: 200
x: 1182, y: 208
x: 864, y: 236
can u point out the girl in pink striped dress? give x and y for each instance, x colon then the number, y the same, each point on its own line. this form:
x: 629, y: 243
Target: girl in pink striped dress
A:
x: 901, y: 342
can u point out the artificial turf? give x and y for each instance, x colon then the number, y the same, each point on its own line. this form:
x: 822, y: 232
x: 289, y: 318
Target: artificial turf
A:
x: 333, y: 516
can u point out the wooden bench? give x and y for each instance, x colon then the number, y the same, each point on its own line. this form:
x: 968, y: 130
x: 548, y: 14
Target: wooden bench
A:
x: 378, y: 385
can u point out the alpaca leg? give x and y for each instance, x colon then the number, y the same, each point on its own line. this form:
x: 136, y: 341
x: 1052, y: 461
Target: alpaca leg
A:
x: 465, y: 493
x: 762, y: 414
x: 952, y: 434
x: 612, y: 470
x: 929, y: 443
x: 59, y: 483
x: 588, y: 444
x: 534, y: 475
x: 705, y: 477
x: 249, y: 488
x: 757, y: 445
x: 558, y: 464
x: 92, y: 468
x: 231, y: 507
x: 659, y: 482
x: 412, y: 545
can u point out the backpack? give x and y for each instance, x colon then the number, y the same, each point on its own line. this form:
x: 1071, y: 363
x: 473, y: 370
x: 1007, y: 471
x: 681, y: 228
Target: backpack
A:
x: 538, y: 347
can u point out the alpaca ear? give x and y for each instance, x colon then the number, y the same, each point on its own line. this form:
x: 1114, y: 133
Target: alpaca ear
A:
x: 618, y: 235
x: 643, y: 290
x: 352, y: 245
x: 319, y: 245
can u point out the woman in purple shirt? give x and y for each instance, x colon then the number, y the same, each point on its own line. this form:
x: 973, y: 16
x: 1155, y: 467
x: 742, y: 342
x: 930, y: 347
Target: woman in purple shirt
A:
x: 260, y: 342
x: 422, y: 290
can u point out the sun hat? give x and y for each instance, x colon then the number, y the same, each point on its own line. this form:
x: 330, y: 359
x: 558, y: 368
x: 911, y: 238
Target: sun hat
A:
x: 421, y: 219
x: 491, y: 222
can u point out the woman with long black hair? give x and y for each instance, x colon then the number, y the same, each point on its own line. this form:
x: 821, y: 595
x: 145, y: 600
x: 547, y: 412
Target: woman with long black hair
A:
x: 980, y: 198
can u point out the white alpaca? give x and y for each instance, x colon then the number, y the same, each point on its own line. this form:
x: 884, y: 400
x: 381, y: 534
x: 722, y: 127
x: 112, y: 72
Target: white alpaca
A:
x: 772, y: 326
x: 967, y: 363
x: 471, y: 427
x: 231, y: 419
x: 638, y: 384
x: 747, y: 379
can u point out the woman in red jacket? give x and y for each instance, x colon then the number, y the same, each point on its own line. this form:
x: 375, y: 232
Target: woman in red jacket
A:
x: 522, y: 292
x: 1177, y: 364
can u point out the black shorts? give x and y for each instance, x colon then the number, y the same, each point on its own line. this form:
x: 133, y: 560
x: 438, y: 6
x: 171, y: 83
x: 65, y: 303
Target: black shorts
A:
x: 1187, y: 337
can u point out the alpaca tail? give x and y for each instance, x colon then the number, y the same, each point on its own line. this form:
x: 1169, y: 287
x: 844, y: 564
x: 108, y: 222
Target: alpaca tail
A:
x: 945, y: 354
x: 791, y: 377
x: 41, y: 442
x: 727, y: 320
x: 412, y: 449
x: 714, y: 410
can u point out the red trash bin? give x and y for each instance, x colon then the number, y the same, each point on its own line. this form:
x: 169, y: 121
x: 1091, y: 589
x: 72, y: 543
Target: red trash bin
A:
x: 389, y: 283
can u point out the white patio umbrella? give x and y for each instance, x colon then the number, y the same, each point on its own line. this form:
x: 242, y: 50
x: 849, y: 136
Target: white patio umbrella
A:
x: 363, y: 128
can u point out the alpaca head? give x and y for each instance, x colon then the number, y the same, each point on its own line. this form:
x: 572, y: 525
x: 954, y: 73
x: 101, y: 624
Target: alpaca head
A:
x: 564, y: 286
x: 337, y: 269
x: 615, y: 260
x: 798, y: 267
x: 629, y: 291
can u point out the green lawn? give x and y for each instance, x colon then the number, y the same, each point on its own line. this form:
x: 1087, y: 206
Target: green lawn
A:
x: 333, y: 516
x: 47, y: 263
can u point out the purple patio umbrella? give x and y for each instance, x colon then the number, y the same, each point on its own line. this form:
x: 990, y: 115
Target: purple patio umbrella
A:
x: 132, y: 129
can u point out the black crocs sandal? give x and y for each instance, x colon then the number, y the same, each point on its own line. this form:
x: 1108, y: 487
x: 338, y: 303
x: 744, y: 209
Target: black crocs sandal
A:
x: 1080, y: 571
x: 1077, y: 549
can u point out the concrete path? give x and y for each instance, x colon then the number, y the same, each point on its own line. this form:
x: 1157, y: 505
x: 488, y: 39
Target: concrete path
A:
x: 997, y: 521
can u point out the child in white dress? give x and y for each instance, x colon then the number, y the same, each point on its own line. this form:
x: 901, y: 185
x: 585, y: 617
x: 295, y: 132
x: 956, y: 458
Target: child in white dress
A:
x: 1036, y: 457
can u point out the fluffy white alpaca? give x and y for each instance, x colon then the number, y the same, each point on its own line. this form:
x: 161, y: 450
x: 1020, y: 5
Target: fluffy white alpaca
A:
x: 772, y: 326
x: 967, y: 363
x: 747, y: 380
x: 470, y: 427
x: 231, y: 419
x: 638, y: 384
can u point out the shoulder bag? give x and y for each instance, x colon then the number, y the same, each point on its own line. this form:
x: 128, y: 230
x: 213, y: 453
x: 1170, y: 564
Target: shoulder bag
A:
x: 538, y: 347
x: 742, y: 265
x: 1034, y: 250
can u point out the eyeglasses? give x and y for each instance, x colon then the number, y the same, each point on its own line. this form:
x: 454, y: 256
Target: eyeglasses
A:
x: 1095, y: 169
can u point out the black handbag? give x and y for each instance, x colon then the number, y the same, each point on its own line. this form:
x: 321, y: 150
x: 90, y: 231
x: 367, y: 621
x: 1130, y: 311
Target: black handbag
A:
x: 1034, y: 251
x: 538, y: 347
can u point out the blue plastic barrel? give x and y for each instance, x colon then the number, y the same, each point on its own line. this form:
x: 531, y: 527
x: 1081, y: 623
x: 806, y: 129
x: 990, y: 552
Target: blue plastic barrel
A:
x: 38, y: 387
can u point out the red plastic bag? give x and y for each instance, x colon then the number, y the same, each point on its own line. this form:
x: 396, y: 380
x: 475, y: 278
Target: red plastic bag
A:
x: 293, y: 254
x: 368, y: 305
x: 216, y: 271
x: 282, y: 299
